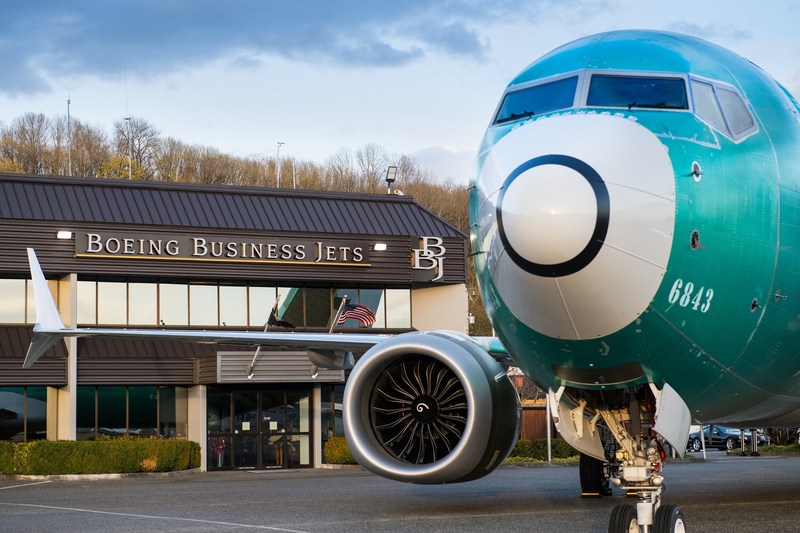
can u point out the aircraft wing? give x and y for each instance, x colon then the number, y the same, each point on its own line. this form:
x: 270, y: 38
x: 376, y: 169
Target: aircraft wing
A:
x: 49, y: 329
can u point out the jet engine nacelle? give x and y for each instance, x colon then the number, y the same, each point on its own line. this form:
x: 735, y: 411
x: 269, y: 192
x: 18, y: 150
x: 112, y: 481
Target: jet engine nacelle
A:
x: 430, y: 408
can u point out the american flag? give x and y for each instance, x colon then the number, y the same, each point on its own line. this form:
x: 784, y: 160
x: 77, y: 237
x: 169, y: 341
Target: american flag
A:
x: 362, y: 313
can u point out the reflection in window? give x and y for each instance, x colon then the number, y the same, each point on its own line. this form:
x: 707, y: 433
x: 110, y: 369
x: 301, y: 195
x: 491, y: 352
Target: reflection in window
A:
x: 12, y: 294
x: 261, y: 301
x: 87, y: 302
x: 219, y: 411
x: 36, y: 413
x: 291, y: 306
x: 85, y: 413
x: 739, y: 117
x: 203, y: 305
x: 173, y: 409
x: 111, y: 411
x: 23, y: 413
x: 173, y: 303
x: 637, y: 92
x: 706, y: 106
x: 537, y: 100
x: 373, y: 298
x: 143, y: 411
x: 143, y: 304
x: 135, y: 411
x: 398, y: 308
x: 318, y: 307
x: 112, y: 302
x: 232, y: 305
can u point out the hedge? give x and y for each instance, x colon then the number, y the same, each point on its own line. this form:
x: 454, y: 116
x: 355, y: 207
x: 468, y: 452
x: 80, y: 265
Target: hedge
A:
x: 338, y: 453
x: 536, y: 450
x: 105, y: 456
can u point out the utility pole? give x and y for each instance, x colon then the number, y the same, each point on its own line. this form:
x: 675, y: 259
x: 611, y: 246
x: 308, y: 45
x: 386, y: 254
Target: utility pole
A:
x: 130, y: 151
x: 69, y: 138
x: 278, y: 164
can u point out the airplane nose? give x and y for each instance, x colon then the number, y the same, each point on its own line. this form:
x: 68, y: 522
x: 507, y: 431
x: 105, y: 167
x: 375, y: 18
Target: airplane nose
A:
x: 553, y: 215
x: 577, y: 215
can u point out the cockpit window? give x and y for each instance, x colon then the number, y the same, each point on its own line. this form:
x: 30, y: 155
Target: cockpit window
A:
x: 537, y: 99
x: 739, y: 118
x: 637, y: 92
x: 706, y: 106
x: 724, y: 109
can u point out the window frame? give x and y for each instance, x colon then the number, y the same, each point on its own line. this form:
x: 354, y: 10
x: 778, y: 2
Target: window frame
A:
x: 535, y: 83
x: 716, y: 87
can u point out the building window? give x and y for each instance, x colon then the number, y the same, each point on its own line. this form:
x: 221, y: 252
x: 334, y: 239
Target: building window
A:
x: 212, y: 304
x: 398, y: 308
x: 18, y: 305
x: 203, y: 305
x: 112, y: 302
x: 12, y: 294
x: 23, y: 413
x: 173, y: 304
x: 87, y: 302
x: 232, y: 305
x: 261, y: 301
x: 145, y: 411
x: 143, y: 304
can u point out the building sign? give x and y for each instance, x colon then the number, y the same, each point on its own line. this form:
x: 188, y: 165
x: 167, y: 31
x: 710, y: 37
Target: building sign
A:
x: 215, y: 248
x: 428, y: 257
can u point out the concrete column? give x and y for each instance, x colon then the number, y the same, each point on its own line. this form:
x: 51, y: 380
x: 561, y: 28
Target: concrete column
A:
x: 316, y: 426
x: 68, y: 395
x: 198, y: 421
x: 52, y: 413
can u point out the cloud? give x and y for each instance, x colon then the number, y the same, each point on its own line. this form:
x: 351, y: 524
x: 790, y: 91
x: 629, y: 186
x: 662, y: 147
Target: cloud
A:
x: 711, y: 32
x: 50, y: 39
x: 446, y: 163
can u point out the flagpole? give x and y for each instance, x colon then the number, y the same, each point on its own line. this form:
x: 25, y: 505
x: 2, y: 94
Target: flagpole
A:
x: 248, y: 369
x: 338, y: 313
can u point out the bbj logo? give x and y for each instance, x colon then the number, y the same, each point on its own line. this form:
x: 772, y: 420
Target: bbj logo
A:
x: 430, y: 255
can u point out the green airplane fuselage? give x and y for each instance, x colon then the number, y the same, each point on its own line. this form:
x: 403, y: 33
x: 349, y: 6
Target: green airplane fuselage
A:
x: 695, y: 283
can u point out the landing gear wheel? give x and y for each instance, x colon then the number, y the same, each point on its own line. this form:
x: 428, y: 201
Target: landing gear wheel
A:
x: 593, y: 479
x: 669, y: 519
x: 623, y: 520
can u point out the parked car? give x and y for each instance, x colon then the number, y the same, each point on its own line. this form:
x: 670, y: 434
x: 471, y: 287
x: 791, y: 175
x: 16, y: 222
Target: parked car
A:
x: 722, y: 438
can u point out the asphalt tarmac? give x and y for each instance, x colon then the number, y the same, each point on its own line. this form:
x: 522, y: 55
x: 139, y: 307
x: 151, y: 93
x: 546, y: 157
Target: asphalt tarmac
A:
x: 720, y: 494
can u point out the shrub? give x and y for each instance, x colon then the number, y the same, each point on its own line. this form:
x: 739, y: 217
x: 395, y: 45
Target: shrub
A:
x: 536, y: 450
x: 337, y: 452
x: 103, y: 456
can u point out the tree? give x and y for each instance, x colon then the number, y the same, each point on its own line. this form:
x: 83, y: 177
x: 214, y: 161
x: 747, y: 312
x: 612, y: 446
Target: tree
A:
x: 90, y: 149
x: 144, y: 142
x: 25, y: 141
x: 372, y: 161
x: 7, y: 165
x: 117, y: 168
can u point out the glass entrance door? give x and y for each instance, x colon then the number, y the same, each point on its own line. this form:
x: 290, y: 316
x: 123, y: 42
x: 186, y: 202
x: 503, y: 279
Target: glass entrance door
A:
x: 259, y: 429
x: 286, y: 422
x: 245, y: 430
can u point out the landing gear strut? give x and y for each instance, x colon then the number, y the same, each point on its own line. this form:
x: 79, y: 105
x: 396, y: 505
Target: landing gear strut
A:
x: 628, y: 428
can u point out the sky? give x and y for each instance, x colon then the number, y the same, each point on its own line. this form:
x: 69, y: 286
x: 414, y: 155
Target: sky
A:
x: 417, y: 77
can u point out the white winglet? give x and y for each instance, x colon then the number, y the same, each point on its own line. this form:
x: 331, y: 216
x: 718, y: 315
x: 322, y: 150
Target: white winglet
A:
x: 47, y: 315
x: 48, y: 326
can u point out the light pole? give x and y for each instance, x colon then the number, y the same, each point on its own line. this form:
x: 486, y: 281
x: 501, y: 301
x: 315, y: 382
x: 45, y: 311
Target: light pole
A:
x: 130, y: 151
x: 69, y: 138
x: 278, y: 164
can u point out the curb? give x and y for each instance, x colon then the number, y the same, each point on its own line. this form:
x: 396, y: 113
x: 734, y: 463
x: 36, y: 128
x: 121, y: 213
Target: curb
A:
x: 97, y: 477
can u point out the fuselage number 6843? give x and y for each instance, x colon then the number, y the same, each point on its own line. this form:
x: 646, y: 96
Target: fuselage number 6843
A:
x: 684, y: 294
